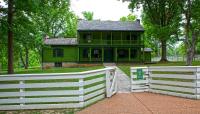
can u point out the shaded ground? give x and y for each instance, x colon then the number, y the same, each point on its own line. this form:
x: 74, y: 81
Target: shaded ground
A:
x: 143, y: 103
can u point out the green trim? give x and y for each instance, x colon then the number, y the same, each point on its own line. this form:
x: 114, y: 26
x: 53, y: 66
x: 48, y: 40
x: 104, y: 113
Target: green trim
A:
x: 111, y: 39
x: 121, y: 39
x: 78, y: 54
x: 101, y: 38
x: 102, y: 54
x: 129, y: 54
x: 130, y: 38
x: 116, y: 54
x: 90, y: 54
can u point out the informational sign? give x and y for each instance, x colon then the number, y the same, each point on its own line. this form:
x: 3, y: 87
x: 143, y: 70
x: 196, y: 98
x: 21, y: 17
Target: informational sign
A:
x: 140, y: 74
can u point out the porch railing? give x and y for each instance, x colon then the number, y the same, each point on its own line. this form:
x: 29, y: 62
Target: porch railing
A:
x: 111, y: 42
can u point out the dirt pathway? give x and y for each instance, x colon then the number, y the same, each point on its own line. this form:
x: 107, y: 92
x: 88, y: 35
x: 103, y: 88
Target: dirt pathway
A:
x: 143, y: 103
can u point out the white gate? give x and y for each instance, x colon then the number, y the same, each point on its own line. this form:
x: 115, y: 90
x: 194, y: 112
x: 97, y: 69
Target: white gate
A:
x: 111, y: 82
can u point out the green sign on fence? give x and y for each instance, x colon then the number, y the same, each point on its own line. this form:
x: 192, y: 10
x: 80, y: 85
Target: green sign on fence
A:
x: 140, y: 74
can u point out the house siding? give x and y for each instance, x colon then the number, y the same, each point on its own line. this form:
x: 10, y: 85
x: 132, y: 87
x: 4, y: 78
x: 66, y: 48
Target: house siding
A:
x: 70, y: 54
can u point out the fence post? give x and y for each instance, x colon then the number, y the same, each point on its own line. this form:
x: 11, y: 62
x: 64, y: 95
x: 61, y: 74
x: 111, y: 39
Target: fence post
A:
x: 81, y: 92
x: 108, y: 84
x: 131, y: 73
x: 149, y: 78
x: 21, y: 90
x: 198, y: 83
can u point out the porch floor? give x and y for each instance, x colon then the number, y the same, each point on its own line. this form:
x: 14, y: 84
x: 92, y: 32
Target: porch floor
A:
x: 143, y: 103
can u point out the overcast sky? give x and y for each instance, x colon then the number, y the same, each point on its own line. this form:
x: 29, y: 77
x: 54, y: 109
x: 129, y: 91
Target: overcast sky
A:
x: 103, y: 9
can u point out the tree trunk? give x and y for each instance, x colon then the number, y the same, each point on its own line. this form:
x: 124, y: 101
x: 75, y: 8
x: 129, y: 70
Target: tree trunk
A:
x: 164, y: 51
x: 21, y: 57
x: 190, y: 56
x: 191, y: 47
x: 26, y: 58
x: 10, y: 37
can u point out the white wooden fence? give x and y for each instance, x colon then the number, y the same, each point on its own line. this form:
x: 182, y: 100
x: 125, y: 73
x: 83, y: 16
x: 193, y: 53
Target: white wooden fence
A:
x: 139, y: 85
x: 56, y: 90
x: 183, y: 81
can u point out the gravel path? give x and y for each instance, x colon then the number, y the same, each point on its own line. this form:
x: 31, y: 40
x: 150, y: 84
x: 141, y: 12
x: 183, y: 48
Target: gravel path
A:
x: 143, y: 103
x: 123, y: 81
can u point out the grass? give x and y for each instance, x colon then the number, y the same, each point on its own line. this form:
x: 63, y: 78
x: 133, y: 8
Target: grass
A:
x: 52, y: 111
x: 126, y: 67
x: 55, y: 70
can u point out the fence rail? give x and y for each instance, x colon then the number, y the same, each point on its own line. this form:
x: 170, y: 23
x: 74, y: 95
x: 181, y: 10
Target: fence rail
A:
x: 183, y: 81
x: 55, y: 90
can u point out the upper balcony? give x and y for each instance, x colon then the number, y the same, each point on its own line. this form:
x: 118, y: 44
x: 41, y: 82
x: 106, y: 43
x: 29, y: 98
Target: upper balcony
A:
x: 110, y: 42
x: 110, y: 38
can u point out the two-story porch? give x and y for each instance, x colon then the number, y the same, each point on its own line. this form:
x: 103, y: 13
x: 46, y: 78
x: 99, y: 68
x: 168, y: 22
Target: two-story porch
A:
x: 108, y: 41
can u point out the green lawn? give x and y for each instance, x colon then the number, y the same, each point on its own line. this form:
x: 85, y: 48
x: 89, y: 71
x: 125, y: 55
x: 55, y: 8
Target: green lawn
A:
x: 55, y: 70
x: 126, y: 67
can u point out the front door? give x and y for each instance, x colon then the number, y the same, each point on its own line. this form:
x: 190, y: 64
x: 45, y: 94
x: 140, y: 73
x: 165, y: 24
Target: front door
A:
x: 108, y: 55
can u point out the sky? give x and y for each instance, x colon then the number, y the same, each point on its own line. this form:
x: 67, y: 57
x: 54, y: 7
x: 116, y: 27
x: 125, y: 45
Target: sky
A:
x: 103, y: 9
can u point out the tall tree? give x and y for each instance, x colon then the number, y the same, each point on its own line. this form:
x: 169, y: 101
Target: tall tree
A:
x: 191, y: 22
x: 162, y: 17
x: 88, y: 15
x: 10, y: 37
x: 32, y: 20
x: 129, y: 17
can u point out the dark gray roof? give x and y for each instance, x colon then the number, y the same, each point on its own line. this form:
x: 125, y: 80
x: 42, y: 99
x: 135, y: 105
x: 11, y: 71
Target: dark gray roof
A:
x: 98, y: 25
x: 60, y: 41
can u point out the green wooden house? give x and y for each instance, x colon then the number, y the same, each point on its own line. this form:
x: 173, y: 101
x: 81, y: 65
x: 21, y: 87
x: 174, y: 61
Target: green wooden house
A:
x: 96, y: 42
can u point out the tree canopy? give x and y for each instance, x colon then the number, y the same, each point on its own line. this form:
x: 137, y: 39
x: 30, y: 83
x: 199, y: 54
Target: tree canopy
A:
x: 27, y: 23
x: 161, y: 19
x: 129, y: 17
x: 88, y: 15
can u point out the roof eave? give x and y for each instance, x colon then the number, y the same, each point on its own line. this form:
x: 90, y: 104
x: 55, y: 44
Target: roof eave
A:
x: 112, y: 30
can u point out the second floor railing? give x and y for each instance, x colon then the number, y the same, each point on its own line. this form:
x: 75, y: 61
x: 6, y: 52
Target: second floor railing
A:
x: 111, y: 42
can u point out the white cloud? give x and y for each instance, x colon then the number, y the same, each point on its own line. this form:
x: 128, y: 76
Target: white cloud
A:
x: 103, y: 9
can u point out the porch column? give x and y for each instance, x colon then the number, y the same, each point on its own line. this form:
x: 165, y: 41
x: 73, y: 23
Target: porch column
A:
x: 78, y: 54
x: 130, y: 38
x: 90, y: 55
x: 121, y: 38
x: 101, y: 38
x: 102, y: 54
x: 143, y: 58
x: 143, y: 55
x: 111, y: 39
x: 129, y: 54
x: 116, y: 54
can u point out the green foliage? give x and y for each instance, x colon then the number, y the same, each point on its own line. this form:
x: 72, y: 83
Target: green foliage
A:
x: 33, y: 19
x: 88, y: 15
x: 130, y: 17
x: 161, y: 21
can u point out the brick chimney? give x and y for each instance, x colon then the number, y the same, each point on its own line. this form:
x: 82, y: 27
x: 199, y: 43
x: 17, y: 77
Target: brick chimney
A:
x: 138, y: 20
x: 46, y: 37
